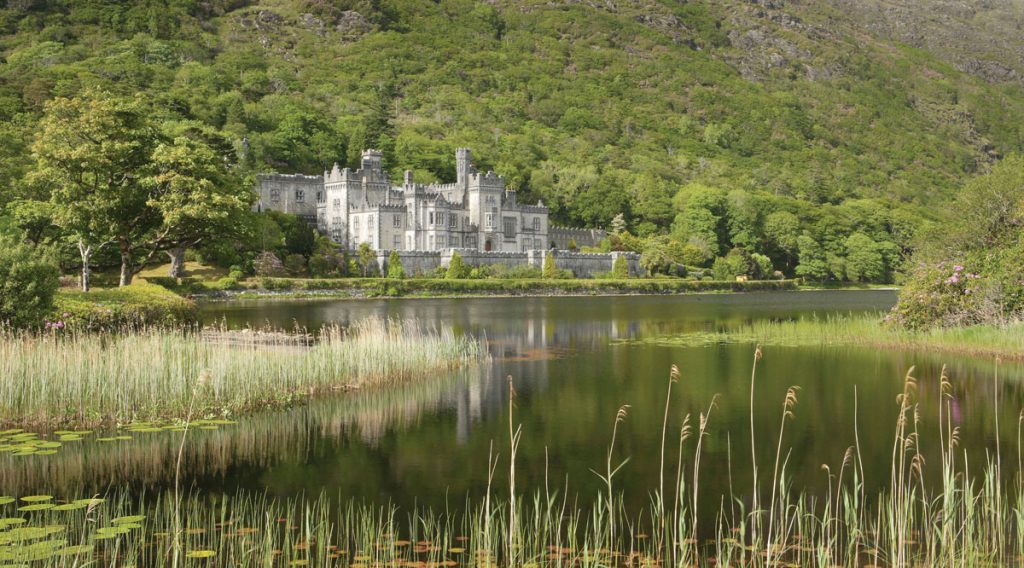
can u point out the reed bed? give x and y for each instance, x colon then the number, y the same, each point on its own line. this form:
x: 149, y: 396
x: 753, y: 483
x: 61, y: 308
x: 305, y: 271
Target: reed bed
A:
x: 868, y: 330
x: 963, y: 518
x: 100, y: 378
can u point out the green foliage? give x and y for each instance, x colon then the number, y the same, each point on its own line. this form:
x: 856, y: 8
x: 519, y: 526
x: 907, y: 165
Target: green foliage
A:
x: 864, y: 260
x: 367, y: 259
x: 137, y: 306
x: 295, y: 264
x: 663, y: 255
x: 456, y: 268
x: 620, y: 267
x: 737, y: 263
x: 28, y: 281
x: 395, y: 268
x: 968, y: 269
x: 327, y: 260
x: 549, y: 270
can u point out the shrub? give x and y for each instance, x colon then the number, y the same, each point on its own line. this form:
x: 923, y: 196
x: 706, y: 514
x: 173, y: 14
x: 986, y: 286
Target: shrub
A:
x: 267, y: 264
x: 395, y: 268
x: 117, y: 309
x: 275, y: 284
x: 326, y: 261
x: 28, y: 281
x: 295, y: 264
x: 456, y: 269
x: 620, y: 267
x: 550, y: 271
x: 523, y: 271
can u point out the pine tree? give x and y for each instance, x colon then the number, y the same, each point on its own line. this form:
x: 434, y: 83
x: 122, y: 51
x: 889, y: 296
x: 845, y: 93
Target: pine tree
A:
x: 456, y: 269
x: 550, y: 271
x: 395, y: 268
x: 620, y: 268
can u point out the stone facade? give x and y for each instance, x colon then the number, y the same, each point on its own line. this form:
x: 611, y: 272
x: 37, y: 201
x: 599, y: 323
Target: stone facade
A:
x: 477, y: 212
x: 581, y: 264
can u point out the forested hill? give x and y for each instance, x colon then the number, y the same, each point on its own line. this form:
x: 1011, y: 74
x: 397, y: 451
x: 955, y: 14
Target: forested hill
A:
x: 595, y: 106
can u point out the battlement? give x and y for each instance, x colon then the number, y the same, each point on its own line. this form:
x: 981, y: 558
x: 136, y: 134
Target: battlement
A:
x: 290, y: 178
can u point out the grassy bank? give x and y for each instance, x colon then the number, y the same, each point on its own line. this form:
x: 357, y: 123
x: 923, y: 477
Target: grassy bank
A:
x: 136, y: 306
x: 960, y: 518
x: 384, y: 287
x: 868, y: 330
x: 94, y: 378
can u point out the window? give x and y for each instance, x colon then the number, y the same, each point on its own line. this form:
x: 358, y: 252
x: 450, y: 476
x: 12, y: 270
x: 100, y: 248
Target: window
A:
x: 337, y: 204
x: 431, y: 218
x: 335, y: 221
x: 453, y: 220
x: 538, y: 244
x: 471, y: 242
x: 355, y: 225
x: 275, y: 195
x: 397, y: 242
x: 319, y: 197
x: 369, y: 227
x: 336, y: 235
x: 526, y: 246
x: 510, y: 227
x: 300, y: 196
x: 453, y: 241
x: 489, y: 221
x: 490, y: 199
x: 536, y: 224
x: 396, y: 221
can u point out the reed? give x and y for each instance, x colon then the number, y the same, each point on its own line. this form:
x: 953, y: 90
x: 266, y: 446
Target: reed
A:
x: 97, y: 378
x: 967, y: 518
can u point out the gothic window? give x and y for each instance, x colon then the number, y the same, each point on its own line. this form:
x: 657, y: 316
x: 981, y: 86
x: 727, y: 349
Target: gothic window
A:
x: 431, y: 217
x: 536, y: 224
x: 319, y: 197
x: 396, y: 221
x: 355, y: 225
x: 369, y: 225
x: 337, y: 204
x: 489, y: 221
x: 275, y: 195
x: 335, y: 221
x: 510, y: 227
x: 538, y: 244
x: 300, y: 196
x: 397, y: 242
x: 453, y: 220
x: 336, y: 235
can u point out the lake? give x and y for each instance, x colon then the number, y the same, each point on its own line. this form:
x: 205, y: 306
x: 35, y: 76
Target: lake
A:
x: 573, y: 362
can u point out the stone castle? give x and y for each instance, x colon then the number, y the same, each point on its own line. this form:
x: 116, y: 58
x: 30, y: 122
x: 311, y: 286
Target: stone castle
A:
x: 476, y: 214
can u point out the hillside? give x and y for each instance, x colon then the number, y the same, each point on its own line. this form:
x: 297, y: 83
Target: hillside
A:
x: 595, y: 106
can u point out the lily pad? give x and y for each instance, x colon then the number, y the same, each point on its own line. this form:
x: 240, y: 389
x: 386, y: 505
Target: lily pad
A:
x: 37, y: 498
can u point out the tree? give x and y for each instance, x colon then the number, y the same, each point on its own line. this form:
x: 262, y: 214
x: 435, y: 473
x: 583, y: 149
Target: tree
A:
x: 549, y: 270
x: 94, y: 152
x: 195, y: 191
x: 813, y: 264
x: 395, y: 268
x: 35, y: 219
x: 864, y: 261
x: 456, y: 268
x: 326, y: 260
x: 28, y: 281
x: 366, y: 258
x: 620, y: 267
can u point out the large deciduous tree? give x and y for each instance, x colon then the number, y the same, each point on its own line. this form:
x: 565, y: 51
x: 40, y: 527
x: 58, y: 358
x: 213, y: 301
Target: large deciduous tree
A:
x: 94, y: 153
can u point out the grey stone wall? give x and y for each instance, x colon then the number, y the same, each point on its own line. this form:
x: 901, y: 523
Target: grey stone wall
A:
x: 295, y: 194
x: 582, y: 265
x: 561, y: 236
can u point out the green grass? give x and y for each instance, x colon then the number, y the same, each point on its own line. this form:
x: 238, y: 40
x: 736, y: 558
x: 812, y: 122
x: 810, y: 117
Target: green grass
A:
x: 868, y: 330
x: 134, y: 306
x: 97, y: 378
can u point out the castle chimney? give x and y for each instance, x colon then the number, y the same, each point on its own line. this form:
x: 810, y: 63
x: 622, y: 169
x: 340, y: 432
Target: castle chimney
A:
x: 408, y: 177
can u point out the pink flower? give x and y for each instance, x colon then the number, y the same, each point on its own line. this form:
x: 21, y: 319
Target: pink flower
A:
x: 958, y: 268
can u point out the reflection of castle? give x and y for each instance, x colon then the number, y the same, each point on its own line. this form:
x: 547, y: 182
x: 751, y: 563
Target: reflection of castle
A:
x: 476, y: 212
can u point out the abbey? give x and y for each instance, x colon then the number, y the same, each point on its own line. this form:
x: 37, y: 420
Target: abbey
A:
x: 352, y: 207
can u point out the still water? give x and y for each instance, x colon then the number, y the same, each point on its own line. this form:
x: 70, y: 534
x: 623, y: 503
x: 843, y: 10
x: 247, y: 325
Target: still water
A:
x: 573, y: 361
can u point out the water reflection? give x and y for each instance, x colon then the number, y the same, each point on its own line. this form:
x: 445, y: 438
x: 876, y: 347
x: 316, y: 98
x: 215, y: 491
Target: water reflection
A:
x: 428, y: 443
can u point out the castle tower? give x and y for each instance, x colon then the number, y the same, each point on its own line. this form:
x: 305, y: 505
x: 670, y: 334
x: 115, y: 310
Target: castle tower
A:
x: 371, y: 160
x: 463, y: 159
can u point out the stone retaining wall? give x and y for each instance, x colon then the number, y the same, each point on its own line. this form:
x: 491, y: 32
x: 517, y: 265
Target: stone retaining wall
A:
x: 582, y: 265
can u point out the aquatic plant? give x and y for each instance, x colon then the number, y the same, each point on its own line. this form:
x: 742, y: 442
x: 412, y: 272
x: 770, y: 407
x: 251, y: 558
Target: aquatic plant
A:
x: 102, y: 378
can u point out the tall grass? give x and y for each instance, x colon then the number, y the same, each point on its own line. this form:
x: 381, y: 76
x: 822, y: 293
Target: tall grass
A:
x: 92, y: 378
x: 965, y: 518
x: 869, y: 330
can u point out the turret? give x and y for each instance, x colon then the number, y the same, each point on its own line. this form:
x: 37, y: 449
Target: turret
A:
x: 371, y: 160
x: 463, y: 160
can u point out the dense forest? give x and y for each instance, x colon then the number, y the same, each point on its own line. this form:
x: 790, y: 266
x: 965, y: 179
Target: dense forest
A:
x: 709, y: 134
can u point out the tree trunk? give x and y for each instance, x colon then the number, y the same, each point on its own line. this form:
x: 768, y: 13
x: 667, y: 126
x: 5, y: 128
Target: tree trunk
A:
x: 177, y: 255
x: 126, y: 267
x: 86, y: 252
